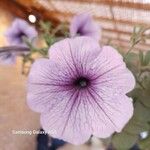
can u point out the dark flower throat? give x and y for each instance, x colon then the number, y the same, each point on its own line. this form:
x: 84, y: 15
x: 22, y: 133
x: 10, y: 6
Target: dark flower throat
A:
x: 21, y: 34
x: 82, y: 82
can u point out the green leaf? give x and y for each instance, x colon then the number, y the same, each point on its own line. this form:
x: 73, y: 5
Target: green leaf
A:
x: 141, y: 113
x: 147, y: 58
x: 138, y: 122
x: 123, y: 140
x: 132, y: 56
x: 142, y: 95
x: 134, y: 127
x: 145, y: 144
x: 135, y: 93
x: 136, y: 35
x: 145, y: 98
x: 45, y: 26
x: 141, y: 57
x: 146, y: 81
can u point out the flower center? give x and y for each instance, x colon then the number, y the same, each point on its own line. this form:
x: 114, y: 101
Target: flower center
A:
x: 81, y: 82
x: 21, y: 34
x: 79, y: 33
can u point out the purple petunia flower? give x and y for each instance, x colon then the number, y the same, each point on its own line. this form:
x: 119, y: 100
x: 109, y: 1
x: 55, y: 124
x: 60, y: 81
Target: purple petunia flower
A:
x: 81, y: 90
x: 15, y: 34
x: 18, y: 30
x: 84, y: 25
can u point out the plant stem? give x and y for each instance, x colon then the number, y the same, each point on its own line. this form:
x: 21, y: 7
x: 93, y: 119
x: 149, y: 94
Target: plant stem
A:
x: 14, y: 49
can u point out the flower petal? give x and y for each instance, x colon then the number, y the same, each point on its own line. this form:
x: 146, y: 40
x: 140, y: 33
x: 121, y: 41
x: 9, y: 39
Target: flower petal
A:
x: 123, y: 112
x: 46, y: 83
x: 115, y: 111
x: 75, y: 53
x: 111, y: 73
x: 84, y: 24
x: 99, y: 122
x: 78, y: 22
x: 68, y: 120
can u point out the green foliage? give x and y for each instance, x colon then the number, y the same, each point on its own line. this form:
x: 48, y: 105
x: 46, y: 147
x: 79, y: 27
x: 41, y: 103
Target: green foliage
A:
x: 132, y: 62
x: 144, y: 58
x: 136, y: 36
x: 147, y: 58
x: 145, y: 144
x: 141, y: 113
x: 139, y: 64
x: 138, y: 122
x: 141, y: 57
x: 132, y: 56
x: 130, y: 134
x: 124, y: 140
x: 136, y: 127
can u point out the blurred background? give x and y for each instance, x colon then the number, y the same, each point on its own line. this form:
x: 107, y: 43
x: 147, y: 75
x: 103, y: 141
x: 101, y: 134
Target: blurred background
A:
x: 116, y: 18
